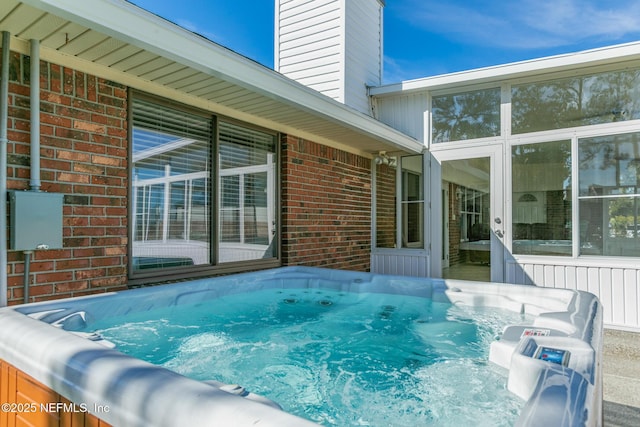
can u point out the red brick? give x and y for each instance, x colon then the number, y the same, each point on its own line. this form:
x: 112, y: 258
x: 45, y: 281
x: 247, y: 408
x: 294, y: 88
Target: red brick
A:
x: 36, y: 290
x: 53, y: 254
x: 115, y: 251
x: 88, y: 252
x: 87, y: 231
x: 73, y: 177
x: 88, y: 274
x: 37, y: 266
x: 71, y: 286
x: 107, y: 161
x: 117, y: 283
x: 89, y: 147
x: 326, y: 206
x: 70, y: 116
x: 73, y: 155
x: 89, y: 127
x: 106, y: 262
x: 88, y: 169
x: 88, y: 189
x: 54, y: 277
x: 55, y: 165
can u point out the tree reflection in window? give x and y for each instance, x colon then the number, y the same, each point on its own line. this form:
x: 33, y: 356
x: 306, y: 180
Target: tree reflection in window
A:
x: 576, y: 101
x: 466, y: 115
x: 610, y: 195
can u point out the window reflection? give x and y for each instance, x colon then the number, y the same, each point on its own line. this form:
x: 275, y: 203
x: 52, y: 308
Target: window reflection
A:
x: 407, y: 223
x: 541, y: 199
x: 412, y: 202
x: 172, y: 189
x: 247, y: 194
x: 576, y: 101
x: 466, y: 115
x: 609, y: 195
x: 170, y: 180
x: 469, y: 183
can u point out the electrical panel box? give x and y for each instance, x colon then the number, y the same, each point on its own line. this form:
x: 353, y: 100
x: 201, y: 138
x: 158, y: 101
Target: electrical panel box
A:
x: 36, y: 220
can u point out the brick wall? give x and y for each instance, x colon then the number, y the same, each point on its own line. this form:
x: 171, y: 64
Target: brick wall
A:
x: 326, y: 192
x: 326, y: 206
x: 83, y: 156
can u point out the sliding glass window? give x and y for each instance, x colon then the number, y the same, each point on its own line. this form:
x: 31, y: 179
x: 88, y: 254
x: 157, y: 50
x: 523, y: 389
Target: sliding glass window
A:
x: 177, y: 197
x: 247, y: 212
x: 399, y: 199
x: 412, y: 202
x: 609, y: 196
x: 170, y: 178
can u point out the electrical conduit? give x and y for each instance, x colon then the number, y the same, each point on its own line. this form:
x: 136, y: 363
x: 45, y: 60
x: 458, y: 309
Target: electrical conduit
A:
x: 34, y: 182
x: 4, y: 117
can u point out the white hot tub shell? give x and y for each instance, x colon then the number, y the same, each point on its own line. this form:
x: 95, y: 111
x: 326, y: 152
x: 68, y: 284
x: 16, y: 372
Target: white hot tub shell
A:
x: 553, y: 362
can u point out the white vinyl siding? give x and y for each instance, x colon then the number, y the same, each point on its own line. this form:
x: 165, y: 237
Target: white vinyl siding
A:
x: 405, y: 262
x: 332, y: 46
x: 363, y: 51
x: 406, y: 113
x: 308, y: 44
x: 616, y: 286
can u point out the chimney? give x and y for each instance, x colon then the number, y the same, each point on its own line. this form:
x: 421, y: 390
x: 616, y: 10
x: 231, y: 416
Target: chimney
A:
x: 332, y: 46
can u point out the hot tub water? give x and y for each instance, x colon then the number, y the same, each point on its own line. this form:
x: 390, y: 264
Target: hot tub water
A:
x: 334, y: 357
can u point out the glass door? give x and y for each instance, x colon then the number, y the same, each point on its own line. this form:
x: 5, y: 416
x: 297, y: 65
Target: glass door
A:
x: 472, y: 224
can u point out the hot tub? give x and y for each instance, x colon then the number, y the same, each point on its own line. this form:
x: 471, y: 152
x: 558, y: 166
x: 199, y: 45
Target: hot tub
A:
x: 553, y: 360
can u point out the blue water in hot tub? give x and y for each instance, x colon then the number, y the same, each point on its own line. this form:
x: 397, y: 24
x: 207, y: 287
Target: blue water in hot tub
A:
x: 335, y: 357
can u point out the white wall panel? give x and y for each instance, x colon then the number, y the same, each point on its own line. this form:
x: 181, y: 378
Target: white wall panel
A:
x: 617, y: 287
x: 363, y: 51
x: 402, y: 263
x: 405, y: 113
x: 308, y: 45
x: 341, y: 39
x: 631, y: 297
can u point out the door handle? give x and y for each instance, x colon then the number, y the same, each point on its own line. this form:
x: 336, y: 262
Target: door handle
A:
x: 499, y: 234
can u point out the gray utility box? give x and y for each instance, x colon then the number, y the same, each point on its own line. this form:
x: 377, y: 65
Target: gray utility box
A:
x: 36, y: 220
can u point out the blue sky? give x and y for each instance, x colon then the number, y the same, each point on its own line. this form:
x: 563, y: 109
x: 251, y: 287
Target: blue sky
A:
x: 428, y: 37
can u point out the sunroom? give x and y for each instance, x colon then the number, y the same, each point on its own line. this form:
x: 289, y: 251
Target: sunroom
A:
x: 532, y: 176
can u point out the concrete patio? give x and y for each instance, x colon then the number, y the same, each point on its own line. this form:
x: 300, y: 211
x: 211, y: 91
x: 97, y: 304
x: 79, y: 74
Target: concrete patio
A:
x: 621, y: 378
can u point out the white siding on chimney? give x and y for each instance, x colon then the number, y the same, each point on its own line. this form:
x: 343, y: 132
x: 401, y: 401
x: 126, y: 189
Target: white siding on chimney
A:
x: 332, y: 46
x: 309, y: 44
x: 363, y: 51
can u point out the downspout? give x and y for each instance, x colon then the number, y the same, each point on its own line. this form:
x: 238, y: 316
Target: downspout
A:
x: 34, y: 182
x: 4, y: 117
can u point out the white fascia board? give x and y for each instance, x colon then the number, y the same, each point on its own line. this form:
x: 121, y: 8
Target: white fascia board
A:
x: 134, y: 25
x: 600, y: 56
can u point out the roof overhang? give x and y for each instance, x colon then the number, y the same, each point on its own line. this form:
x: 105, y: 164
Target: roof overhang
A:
x: 552, y: 65
x: 117, y: 40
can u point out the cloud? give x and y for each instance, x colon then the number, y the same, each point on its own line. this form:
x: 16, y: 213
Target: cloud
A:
x: 525, y: 24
